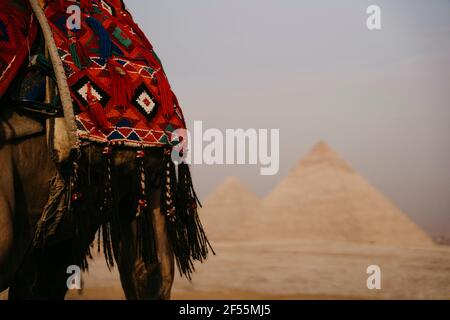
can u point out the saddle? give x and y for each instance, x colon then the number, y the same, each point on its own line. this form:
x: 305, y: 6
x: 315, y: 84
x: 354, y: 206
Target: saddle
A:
x: 118, y: 89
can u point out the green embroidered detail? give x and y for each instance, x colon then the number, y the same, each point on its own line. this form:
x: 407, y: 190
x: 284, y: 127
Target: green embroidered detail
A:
x: 118, y: 35
x: 75, y: 57
x: 149, y: 70
x: 97, y: 10
x: 164, y: 139
x: 169, y: 128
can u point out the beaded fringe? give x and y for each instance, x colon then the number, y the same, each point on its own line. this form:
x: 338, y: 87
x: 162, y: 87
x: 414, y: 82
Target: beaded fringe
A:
x: 95, y: 206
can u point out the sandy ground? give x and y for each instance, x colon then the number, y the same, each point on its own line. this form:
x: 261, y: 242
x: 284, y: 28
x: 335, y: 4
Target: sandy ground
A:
x: 115, y: 293
x: 298, y: 270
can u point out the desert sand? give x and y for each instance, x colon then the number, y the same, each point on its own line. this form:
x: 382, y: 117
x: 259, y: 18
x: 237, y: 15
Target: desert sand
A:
x: 299, y: 270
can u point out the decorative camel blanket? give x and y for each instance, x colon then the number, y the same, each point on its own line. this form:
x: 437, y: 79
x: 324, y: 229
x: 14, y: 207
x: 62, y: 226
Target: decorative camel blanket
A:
x: 119, y: 90
x: 118, y: 86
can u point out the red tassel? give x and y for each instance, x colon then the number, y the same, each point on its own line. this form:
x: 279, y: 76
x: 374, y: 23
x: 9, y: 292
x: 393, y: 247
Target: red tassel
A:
x: 167, y: 97
x: 122, y: 90
x: 96, y: 111
x: 166, y: 94
x: 98, y: 116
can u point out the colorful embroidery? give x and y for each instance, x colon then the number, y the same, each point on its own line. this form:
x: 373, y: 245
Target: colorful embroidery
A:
x: 118, y: 85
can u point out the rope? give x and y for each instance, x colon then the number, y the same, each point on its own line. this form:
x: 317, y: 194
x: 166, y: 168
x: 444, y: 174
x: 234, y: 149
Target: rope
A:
x: 61, y: 79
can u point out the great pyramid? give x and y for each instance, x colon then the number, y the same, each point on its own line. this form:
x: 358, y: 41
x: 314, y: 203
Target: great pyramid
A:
x: 325, y: 199
x: 225, y: 209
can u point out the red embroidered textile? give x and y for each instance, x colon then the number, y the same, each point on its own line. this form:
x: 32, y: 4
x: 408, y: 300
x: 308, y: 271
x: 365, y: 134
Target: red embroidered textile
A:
x: 18, y: 30
x: 119, y: 88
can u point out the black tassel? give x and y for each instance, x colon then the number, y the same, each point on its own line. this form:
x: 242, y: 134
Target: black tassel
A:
x: 187, y: 205
x: 80, y: 215
x: 145, y: 242
x: 107, y: 208
x: 186, y: 233
x: 168, y: 208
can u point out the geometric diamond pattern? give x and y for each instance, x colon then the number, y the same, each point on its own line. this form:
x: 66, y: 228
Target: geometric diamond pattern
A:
x: 80, y: 88
x: 143, y: 100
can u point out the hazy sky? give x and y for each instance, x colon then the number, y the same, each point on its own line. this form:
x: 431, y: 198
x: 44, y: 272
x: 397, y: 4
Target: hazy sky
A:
x: 313, y: 70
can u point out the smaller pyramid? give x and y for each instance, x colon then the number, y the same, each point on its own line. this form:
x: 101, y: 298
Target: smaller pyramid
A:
x: 225, y: 209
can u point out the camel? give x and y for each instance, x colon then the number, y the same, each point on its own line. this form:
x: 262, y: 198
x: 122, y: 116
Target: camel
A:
x: 23, y: 194
x: 51, y: 190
